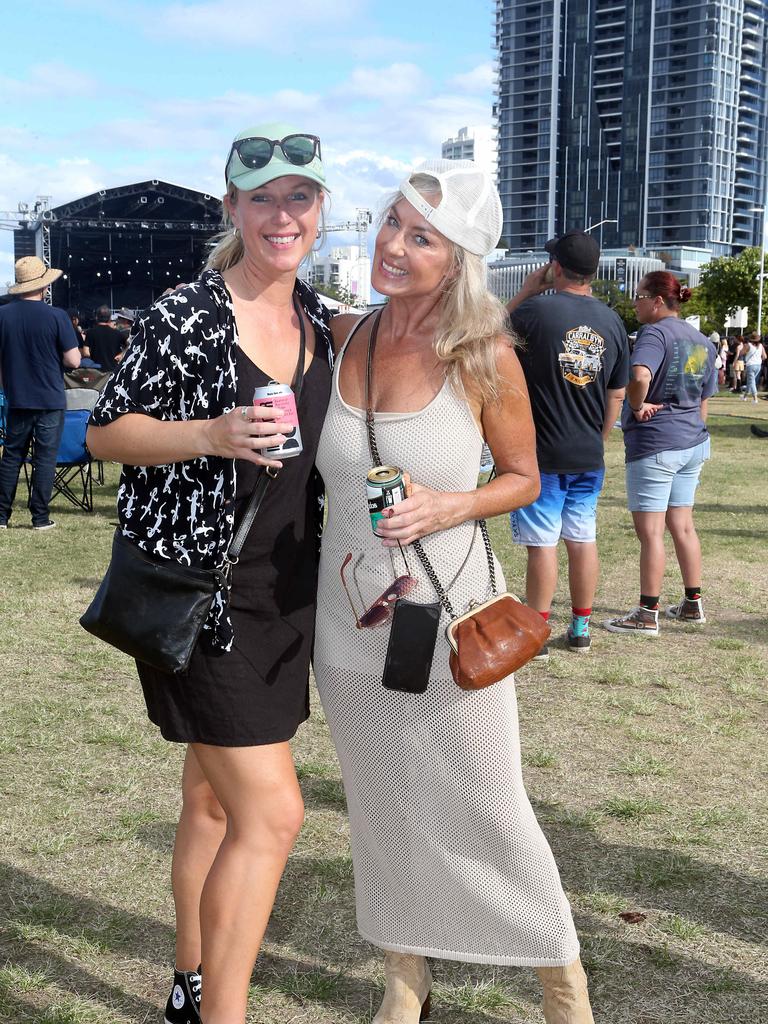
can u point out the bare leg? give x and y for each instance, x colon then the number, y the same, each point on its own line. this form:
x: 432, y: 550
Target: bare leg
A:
x: 649, y: 527
x: 541, y: 578
x: 687, y: 547
x: 258, y: 790
x: 198, y: 836
x: 583, y: 569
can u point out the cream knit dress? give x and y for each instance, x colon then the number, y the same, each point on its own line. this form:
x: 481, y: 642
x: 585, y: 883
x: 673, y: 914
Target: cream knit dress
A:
x: 449, y: 859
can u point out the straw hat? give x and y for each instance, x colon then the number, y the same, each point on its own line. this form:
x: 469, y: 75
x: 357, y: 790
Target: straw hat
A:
x: 32, y: 275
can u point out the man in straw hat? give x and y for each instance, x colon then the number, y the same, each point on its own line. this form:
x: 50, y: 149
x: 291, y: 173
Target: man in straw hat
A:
x: 37, y: 342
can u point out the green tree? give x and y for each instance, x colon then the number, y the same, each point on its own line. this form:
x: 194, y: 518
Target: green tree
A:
x: 730, y: 282
x: 610, y: 293
x: 341, y: 294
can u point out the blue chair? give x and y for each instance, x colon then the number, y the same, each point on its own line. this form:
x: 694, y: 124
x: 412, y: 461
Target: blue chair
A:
x: 74, y: 465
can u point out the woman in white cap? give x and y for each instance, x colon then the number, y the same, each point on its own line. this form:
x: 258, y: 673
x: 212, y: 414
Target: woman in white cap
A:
x: 449, y: 859
x: 179, y: 414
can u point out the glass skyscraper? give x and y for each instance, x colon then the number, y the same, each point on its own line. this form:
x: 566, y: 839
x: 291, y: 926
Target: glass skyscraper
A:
x: 652, y: 114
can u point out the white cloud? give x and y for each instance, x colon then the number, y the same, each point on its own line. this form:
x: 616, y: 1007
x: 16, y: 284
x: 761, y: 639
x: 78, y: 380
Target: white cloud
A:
x: 253, y: 22
x: 53, y: 82
x: 480, y: 79
x: 389, y: 85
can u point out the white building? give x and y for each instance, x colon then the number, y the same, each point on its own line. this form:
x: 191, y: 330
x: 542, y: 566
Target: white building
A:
x: 476, y: 143
x: 345, y: 268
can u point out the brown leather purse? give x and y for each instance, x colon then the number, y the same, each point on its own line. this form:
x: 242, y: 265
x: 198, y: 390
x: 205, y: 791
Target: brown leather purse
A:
x: 493, y: 640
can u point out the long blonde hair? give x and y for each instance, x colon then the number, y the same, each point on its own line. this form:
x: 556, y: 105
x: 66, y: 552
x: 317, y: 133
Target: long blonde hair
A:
x: 471, y: 318
x: 228, y: 246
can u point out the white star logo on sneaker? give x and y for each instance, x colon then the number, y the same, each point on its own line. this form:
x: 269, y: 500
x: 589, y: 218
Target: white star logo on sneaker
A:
x: 177, y: 998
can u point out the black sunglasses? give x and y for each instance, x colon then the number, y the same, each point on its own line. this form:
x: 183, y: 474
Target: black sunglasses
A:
x: 256, y: 152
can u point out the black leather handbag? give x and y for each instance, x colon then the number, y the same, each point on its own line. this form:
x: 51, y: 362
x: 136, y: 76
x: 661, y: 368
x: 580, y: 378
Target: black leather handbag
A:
x: 152, y: 610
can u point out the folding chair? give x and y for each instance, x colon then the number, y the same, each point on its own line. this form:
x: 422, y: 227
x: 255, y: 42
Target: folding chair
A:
x: 3, y: 407
x: 74, y: 466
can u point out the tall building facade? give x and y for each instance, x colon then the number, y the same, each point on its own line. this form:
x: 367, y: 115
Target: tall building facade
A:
x: 476, y: 143
x: 650, y: 116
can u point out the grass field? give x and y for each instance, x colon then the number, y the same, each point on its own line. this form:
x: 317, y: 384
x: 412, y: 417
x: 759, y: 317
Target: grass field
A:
x: 645, y: 762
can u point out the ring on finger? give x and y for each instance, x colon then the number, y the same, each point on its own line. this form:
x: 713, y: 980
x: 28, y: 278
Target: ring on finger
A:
x: 244, y: 412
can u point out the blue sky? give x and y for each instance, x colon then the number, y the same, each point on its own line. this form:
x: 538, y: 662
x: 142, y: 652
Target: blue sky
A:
x: 96, y: 94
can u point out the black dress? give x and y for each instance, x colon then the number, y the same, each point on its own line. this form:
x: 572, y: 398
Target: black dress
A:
x: 259, y: 691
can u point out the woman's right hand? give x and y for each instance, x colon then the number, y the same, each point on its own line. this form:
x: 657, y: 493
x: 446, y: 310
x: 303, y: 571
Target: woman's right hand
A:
x: 245, y: 432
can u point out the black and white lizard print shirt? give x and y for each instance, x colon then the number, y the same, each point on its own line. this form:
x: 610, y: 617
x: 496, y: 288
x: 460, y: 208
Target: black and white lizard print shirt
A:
x: 181, y: 365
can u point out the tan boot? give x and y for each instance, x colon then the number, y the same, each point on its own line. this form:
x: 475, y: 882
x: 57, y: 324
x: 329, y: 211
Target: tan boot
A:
x: 566, y: 1000
x: 406, y: 999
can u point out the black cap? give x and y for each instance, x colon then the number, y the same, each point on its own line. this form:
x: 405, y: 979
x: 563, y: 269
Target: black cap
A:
x: 576, y: 251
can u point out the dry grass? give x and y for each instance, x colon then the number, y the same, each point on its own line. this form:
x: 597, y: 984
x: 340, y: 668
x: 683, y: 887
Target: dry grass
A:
x: 645, y: 762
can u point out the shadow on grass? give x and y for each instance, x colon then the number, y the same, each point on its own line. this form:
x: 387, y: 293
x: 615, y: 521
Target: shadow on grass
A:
x: 313, y: 916
x: 672, y: 882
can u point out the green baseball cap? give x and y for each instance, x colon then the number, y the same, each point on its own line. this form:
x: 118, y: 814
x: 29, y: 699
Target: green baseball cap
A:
x: 274, y: 150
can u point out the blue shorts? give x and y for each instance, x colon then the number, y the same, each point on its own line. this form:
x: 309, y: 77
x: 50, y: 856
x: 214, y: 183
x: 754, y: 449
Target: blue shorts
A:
x: 566, y: 507
x: 665, y: 480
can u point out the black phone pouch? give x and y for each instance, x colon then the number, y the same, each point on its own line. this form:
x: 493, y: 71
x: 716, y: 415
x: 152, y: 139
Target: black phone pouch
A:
x: 411, y: 646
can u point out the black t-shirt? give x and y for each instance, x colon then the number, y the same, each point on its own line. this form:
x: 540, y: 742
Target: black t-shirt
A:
x: 104, y: 343
x: 575, y: 350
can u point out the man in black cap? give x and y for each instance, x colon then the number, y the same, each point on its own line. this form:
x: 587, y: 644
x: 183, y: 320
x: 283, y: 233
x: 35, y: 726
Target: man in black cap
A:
x: 576, y: 364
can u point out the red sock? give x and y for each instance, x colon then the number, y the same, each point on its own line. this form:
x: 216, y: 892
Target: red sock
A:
x: 585, y: 612
x: 545, y: 616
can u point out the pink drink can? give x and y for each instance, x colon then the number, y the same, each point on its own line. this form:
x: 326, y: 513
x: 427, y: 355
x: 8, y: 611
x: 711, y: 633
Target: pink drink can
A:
x: 280, y: 396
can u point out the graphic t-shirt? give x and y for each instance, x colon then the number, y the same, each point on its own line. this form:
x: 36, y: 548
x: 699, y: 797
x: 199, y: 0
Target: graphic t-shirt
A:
x: 575, y: 350
x: 682, y: 362
x: 33, y: 336
x: 104, y: 342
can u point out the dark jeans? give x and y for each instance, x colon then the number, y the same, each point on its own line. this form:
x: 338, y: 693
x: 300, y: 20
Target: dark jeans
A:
x: 45, y: 427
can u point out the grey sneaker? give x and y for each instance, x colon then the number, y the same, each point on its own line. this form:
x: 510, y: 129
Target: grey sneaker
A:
x: 690, y: 611
x: 640, y: 621
x: 543, y: 654
x: 47, y: 525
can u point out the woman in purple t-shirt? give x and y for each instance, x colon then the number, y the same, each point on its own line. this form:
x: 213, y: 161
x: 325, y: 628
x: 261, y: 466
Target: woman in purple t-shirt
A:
x: 666, y: 442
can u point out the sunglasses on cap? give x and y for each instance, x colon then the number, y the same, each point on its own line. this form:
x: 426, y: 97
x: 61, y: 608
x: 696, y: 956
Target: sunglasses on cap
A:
x: 256, y: 152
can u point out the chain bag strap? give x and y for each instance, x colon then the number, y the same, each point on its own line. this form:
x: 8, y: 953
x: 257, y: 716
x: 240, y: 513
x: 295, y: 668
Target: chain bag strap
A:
x: 492, y: 640
x: 373, y: 447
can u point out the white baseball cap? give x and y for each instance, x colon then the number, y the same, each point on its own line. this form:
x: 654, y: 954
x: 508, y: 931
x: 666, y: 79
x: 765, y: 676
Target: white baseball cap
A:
x: 469, y: 212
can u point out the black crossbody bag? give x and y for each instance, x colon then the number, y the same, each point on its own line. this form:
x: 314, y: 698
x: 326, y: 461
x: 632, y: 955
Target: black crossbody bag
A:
x: 154, y: 609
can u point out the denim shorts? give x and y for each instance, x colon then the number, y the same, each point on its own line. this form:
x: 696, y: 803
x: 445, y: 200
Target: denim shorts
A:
x: 665, y: 480
x: 566, y: 507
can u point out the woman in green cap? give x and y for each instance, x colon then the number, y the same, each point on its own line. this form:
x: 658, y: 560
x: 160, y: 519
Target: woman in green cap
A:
x: 179, y: 414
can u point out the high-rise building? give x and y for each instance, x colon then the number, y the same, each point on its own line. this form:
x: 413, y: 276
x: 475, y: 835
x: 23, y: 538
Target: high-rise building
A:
x: 473, y: 143
x: 650, y: 116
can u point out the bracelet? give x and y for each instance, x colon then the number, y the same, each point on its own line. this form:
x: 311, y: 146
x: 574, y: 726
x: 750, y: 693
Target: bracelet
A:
x: 637, y: 410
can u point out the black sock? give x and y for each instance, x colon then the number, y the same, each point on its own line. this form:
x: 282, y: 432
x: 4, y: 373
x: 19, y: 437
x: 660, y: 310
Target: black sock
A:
x: 651, y: 603
x: 692, y: 593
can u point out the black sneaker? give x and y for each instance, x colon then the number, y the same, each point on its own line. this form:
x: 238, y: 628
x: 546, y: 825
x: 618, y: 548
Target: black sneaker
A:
x: 579, y: 644
x: 47, y: 525
x: 183, y: 1006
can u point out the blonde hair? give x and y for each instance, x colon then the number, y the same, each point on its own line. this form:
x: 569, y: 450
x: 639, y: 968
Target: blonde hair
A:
x: 228, y: 248
x: 471, y: 318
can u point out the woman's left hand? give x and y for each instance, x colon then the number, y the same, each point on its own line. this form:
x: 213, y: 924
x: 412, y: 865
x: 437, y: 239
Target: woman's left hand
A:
x: 424, y: 511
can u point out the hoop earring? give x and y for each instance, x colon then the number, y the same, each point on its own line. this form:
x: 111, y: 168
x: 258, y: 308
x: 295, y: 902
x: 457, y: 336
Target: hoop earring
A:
x: 236, y: 232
